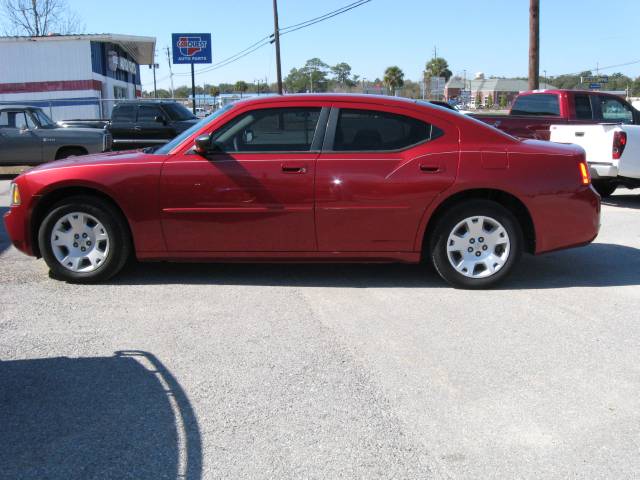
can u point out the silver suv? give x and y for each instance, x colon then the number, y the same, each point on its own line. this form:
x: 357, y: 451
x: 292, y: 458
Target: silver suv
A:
x: 29, y: 137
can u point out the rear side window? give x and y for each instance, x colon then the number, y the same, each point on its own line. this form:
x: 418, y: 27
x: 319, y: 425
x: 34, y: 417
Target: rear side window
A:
x: 583, y: 107
x: 148, y: 113
x: 536, y: 104
x: 124, y: 113
x: 368, y: 130
x: 615, y: 111
x: 270, y: 130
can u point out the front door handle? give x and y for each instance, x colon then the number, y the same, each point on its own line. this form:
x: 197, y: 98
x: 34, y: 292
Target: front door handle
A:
x: 294, y: 169
x: 426, y: 168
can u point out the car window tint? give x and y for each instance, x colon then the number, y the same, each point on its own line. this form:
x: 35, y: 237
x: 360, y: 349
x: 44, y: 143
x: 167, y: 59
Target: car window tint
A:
x: 124, y: 113
x: 368, y: 130
x: 583, y: 107
x: 536, y: 104
x: 7, y: 120
x: 615, y: 111
x: 21, y: 121
x: 269, y: 130
x: 148, y: 113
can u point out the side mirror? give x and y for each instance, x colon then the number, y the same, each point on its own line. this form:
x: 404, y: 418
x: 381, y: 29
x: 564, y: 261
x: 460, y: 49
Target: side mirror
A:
x: 160, y: 119
x: 202, y: 144
x: 24, y: 129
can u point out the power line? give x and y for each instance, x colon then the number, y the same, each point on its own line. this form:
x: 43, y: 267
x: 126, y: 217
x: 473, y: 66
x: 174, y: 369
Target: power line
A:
x: 599, y: 68
x: 269, y: 38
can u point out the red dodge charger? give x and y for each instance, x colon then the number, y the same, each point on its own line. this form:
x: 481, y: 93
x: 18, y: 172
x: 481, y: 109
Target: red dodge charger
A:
x: 338, y: 178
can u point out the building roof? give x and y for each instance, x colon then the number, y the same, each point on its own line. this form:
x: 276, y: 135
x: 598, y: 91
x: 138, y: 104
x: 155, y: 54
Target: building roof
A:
x: 494, y: 84
x: 141, y: 49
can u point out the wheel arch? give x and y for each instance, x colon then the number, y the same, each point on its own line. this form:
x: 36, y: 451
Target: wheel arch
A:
x: 70, y: 147
x: 506, y: 199
x: 54, y: 195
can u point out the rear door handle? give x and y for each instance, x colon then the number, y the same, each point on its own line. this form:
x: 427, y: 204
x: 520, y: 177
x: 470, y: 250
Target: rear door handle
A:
x: 430, y: 168
x: 294, y: 169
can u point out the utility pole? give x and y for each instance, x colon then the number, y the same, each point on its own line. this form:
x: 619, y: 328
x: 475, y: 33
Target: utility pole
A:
x: 534, y: 45
x: 276, y: 37
x: 170, y: 70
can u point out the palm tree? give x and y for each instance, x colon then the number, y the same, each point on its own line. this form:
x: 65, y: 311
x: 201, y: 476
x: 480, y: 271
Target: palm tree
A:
x: 393, y: 78
x: 437, y: 67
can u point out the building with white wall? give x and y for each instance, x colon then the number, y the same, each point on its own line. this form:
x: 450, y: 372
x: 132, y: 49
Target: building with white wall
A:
x: 73, y: 76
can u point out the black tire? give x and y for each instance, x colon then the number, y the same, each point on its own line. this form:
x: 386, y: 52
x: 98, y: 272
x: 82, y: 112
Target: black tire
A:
x: 65, y: 152
x: 604, y: 187
x: 445, y: 226
x: 116, y: 228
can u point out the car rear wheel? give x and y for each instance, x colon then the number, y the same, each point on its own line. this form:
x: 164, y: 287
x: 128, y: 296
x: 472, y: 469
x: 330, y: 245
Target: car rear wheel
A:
x: 476, y: 244
x: 604, y: 188
x: 84, y: 240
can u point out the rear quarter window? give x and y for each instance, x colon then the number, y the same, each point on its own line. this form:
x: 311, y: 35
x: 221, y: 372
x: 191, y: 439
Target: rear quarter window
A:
x: 537, y: 104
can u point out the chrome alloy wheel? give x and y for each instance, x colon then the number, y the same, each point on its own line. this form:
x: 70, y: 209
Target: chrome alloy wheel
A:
x: 80, y: 242
x: 478, y: 247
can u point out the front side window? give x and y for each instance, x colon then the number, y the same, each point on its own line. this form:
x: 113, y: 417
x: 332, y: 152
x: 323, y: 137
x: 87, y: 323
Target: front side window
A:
x: 148, y: 113
x: 583, y: 107
x: 536, y: 104
x: 178, y: 111
x: 43, y: 119
x: 269, y: 130
x: 124, y: 113
x: 615, y: 111
x: 369, y: 130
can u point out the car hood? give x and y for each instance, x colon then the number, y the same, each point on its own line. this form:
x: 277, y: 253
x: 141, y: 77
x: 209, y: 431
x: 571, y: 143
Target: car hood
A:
x: 107, y: 158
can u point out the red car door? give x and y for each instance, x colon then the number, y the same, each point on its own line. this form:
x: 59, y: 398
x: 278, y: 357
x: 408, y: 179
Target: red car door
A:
x: 253, y: 192
x: 379, y: 170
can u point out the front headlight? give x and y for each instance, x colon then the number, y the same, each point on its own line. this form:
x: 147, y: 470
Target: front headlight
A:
x: 15, y: 194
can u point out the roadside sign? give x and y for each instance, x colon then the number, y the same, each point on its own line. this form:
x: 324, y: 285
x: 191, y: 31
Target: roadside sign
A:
x: 191, y: 47
x: 595, y: 79
x: 595, y: 86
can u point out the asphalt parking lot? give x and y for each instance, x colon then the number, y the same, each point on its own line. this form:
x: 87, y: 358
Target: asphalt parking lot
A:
x: 324, y: 371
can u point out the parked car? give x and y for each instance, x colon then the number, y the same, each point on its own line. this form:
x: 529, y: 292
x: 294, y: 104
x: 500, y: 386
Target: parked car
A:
x: 312, y: 178
x: 613, y: 153
x: 141, y: 123
x: 532, y: 113
x: 29, y: 137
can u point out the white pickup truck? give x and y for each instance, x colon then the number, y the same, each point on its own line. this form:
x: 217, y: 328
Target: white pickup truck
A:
x: 613, y: 152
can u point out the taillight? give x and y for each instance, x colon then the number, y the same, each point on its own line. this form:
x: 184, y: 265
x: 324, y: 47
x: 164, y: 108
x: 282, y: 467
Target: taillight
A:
x: 584, y: 174
x: 619, y: 142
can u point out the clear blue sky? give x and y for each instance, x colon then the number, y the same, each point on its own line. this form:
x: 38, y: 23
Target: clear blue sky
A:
x: 489, y: 35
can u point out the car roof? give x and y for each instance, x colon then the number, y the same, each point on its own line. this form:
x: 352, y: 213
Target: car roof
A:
x: 329, y: 97
x: 555, y: 91
x: 145, y: 101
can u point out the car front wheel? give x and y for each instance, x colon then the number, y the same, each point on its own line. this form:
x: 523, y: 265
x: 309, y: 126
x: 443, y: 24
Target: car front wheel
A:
x: 84, y: 240
x: 476, y: 244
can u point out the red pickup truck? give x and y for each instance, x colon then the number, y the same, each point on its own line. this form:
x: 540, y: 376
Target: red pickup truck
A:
x: 533, y: 112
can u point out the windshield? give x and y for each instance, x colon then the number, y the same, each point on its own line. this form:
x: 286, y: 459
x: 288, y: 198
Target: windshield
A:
x: 43, y: 119
x: 166, y: 149
x: 178, y: 111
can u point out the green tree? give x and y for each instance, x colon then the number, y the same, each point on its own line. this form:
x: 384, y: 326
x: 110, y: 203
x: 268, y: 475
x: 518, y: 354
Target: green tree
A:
x: 503, y: 101
x: 437, y: 67
x: 316, y: 70
x: 241, y: 86
x: 182, y: 92
x: 393, y: 78
x: 296, y: 81
x: 478, y: 101
x: 342, y: 74
x: 490, y: 101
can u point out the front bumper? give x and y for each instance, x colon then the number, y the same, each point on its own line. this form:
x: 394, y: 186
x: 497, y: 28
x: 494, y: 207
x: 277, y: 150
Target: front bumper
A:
x: 16, y: 224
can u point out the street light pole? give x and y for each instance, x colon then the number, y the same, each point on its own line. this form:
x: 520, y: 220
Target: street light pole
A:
x: 534, y: 45
x: 276, y: 35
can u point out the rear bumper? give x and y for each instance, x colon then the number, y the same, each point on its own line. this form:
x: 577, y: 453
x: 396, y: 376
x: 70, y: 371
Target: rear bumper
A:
x: 565, y: 221
x: 603, y: 170
x: 16, y: 224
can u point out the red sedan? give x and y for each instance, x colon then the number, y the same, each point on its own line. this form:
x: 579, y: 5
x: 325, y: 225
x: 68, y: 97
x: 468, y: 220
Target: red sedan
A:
x: 338, y: 178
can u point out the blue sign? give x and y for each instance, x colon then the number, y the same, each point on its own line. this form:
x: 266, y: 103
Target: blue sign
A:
x: 191, y: 47
x: 595, y: 86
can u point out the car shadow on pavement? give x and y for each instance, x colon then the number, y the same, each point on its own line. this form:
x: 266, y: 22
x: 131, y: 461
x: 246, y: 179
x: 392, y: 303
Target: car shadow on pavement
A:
x: 623, y: 201
x: 4, y: 237
x: 595, y: 265
x: 123, y: 416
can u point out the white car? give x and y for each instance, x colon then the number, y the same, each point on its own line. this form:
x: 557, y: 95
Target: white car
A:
x: 613, y: 152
